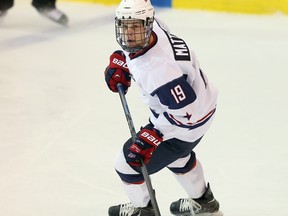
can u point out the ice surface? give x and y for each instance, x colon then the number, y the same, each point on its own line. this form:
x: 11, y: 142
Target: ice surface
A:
x: 60, y: 127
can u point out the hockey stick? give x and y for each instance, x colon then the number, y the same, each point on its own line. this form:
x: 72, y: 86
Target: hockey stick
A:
x: 133, y: 135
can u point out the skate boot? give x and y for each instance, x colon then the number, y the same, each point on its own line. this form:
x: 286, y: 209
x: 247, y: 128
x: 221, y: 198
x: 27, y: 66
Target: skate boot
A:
x: 203, y: 206
x: 3, y: 13
x: 129, y: 210
x: 54, y: 14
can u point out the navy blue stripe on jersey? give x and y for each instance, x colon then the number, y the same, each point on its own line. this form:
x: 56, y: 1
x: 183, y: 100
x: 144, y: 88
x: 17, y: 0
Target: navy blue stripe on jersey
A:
x: 202, y: 76
x: 190, y: 126
x: 156, y: 115
x: 176, y: 94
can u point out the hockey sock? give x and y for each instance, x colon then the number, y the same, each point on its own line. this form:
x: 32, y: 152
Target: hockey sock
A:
x: 193, y: 182
x: 138, y: 194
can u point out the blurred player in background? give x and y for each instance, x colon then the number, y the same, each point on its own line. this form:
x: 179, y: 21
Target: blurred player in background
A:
x: 47, y: 8
x: 182, y: 103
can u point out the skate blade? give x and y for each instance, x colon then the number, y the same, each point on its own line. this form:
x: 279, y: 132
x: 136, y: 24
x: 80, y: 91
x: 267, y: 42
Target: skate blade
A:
x: 219, y: 213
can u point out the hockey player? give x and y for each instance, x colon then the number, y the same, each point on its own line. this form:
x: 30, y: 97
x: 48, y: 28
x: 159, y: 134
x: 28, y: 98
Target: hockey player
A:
x: 47, y: 8
x: 182, y: 103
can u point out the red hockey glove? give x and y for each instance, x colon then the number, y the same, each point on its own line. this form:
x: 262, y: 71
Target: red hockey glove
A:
x: 145, y: 144
x: 117, y: 72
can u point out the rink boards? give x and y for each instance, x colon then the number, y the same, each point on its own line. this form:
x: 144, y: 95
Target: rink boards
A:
x: 234, y: 6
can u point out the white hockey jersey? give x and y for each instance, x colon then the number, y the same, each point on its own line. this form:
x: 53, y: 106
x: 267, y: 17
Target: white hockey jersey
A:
x: 181, y: 99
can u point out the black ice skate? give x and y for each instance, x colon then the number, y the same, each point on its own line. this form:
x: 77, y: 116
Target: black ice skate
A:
x: 54, y: 14
x: 203, y: 206
x: 129, y: 210
x: 3, y: 13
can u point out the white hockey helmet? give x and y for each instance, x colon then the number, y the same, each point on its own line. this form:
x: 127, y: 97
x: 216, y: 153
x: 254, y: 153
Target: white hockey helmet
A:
x: 130, y: 11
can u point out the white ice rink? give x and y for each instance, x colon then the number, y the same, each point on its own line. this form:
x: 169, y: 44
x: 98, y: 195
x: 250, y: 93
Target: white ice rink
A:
x: 60, y: 126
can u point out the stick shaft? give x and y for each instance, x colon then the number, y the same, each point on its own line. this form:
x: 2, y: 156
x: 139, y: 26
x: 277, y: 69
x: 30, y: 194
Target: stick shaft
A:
x: 133, y: 135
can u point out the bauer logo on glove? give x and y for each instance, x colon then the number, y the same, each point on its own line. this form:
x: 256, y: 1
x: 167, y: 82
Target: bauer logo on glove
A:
x: 147, y: 141
x: 117, y: 72
x: 120, y: 63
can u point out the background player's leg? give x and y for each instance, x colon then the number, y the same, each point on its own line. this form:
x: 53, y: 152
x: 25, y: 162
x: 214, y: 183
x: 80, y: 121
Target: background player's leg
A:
x: 48, y: 9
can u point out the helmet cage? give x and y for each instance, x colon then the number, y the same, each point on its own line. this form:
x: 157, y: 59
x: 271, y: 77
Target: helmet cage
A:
x: 140, y: 38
